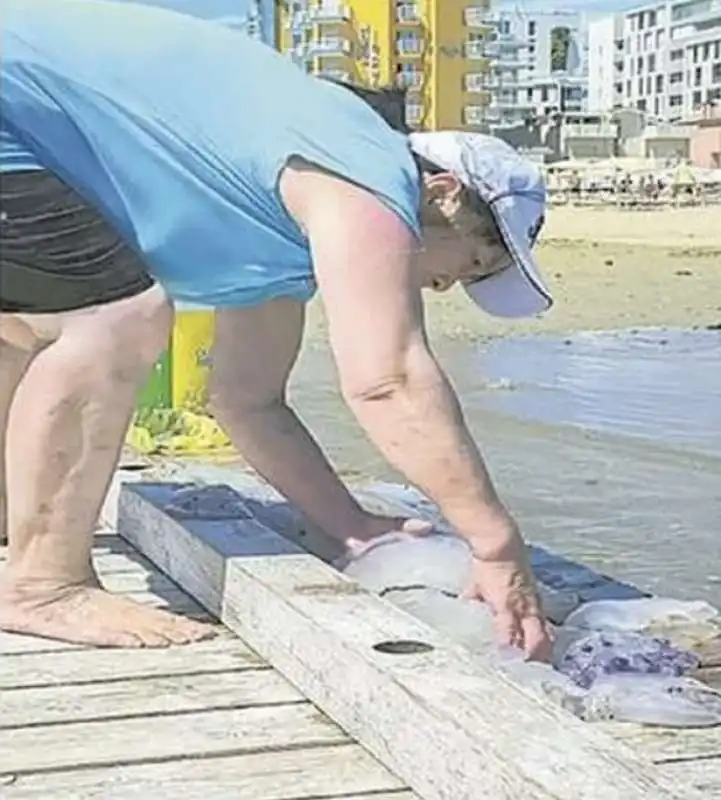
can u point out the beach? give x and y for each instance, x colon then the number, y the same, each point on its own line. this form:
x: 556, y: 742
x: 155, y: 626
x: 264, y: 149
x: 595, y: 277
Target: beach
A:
x: 606, y: 446
x: 607, y: 269
x: 601, y: 421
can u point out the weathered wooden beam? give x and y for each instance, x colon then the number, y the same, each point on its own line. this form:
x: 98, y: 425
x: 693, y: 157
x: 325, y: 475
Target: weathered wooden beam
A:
x: 447, y: 723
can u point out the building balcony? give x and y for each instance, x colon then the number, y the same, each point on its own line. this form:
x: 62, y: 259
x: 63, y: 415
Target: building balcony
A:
x: 476, y: 82
x: 697, y: 11
x: 335, y: 74
x: 476, y: 17
x: 474, y: 115
x: 415, y: 113
x: 410, y: 47
x: 476, y: 50
x: 408, y: 14
x: 318, y: 15
x: 330, y: 46
x: 329, y: 13
x: 410, y: 79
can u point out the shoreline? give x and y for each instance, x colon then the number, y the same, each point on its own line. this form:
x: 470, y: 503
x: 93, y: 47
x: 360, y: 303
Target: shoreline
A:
x: 607, y: 270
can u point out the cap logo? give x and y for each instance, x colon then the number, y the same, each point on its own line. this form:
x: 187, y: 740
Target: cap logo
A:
x: 535, y: 229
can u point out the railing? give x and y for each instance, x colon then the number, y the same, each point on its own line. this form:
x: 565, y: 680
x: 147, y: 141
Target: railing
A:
x: 328, y: 13
x: 476, y: 17
x: 477, y: 83
x: 408, y: 46
x: 410, y: 80
x: 407, y: 12
x: 474, y: 115
x: 414, y: 113
x: 476, y: 50
x: 334, y: 45
x: 335, y: 74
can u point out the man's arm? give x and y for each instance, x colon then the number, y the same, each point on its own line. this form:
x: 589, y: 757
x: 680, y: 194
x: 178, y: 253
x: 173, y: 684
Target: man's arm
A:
x: 255, y: 350
x: 363, y: 256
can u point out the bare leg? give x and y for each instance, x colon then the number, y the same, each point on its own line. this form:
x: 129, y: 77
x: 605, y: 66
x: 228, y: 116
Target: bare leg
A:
x: 65, y: 433
x: 13, y: 361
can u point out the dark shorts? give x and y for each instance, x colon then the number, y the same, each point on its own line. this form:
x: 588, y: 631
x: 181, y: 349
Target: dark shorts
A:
x: 56, y: 252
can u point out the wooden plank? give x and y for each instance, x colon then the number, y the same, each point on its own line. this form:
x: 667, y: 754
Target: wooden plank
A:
x: 197, y: 735
x: 30, y: 670
x: 448, y: 724
x: 669, y: 744
x: 711, y: 676
x: 345, y: 770
x: 12, y: 644
x: 704, y: 775
x: 158, y: 695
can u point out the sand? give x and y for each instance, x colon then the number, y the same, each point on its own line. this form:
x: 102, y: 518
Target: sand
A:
x: 608, y: 269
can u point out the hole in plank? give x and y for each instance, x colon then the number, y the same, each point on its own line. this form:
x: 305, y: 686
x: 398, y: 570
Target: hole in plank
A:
x: 402, y: 647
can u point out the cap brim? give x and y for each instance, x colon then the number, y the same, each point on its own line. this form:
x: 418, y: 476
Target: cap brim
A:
x: 519, y: 290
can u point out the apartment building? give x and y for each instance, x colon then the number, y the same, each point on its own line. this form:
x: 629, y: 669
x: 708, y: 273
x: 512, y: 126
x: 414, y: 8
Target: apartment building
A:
x: 663, y: 58
x: 438, y: 57
x: 538, y: 62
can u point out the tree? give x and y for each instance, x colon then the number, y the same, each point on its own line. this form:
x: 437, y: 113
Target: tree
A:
x: 560, y: 45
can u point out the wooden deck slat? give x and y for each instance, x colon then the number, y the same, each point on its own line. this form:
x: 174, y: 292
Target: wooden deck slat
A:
x: 199, y: 734
x: 669, y: 744
x: 704, y: 775
x: 445, y: 722
x: 54, y: 668
x: 78, y: 723
x: 124, y: 698
x: 312, y: 773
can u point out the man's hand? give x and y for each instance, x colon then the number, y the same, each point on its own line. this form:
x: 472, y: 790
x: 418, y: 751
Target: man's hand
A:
x: 506, y: 583
x: 377, y: 525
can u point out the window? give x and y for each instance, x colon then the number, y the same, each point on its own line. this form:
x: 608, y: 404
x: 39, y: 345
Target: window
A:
x: 716, y: 73
x: 531, y: 28
x: 676, y: 55
x: 696, y: 99
x: 652, y: 62
x: 697, y: 76
x: 659, y: 84
x: 675, y: 100
x: 675, y: 77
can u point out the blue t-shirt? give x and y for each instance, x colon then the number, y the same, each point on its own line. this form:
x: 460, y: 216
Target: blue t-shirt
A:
x: 177, y: 130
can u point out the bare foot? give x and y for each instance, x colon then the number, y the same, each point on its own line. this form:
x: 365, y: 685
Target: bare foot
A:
x: 91, y: 616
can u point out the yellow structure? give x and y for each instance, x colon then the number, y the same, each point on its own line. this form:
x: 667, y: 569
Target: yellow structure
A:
x: 433, y: 48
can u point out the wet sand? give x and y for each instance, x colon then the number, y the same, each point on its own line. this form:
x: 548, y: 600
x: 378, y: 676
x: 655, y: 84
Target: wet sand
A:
x: 607, y: 269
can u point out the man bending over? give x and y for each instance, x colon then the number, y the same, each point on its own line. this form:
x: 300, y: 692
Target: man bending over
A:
x: 147, y: 157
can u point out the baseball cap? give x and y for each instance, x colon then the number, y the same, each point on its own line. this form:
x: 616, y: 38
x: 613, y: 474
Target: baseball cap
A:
x: 514, y: 190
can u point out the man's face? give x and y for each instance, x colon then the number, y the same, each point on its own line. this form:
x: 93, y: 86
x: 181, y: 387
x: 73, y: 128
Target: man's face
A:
x: 458, y: 244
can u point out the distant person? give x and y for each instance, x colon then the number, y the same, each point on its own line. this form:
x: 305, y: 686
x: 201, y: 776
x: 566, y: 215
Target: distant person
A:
x: 148, y: 156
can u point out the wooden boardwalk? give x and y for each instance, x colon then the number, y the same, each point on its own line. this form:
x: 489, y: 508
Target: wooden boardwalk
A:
x: 211, y: 721
x: 444, y: 722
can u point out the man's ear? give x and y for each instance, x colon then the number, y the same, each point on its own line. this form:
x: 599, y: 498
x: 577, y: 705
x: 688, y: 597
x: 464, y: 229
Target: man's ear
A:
x: 442, y: 186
